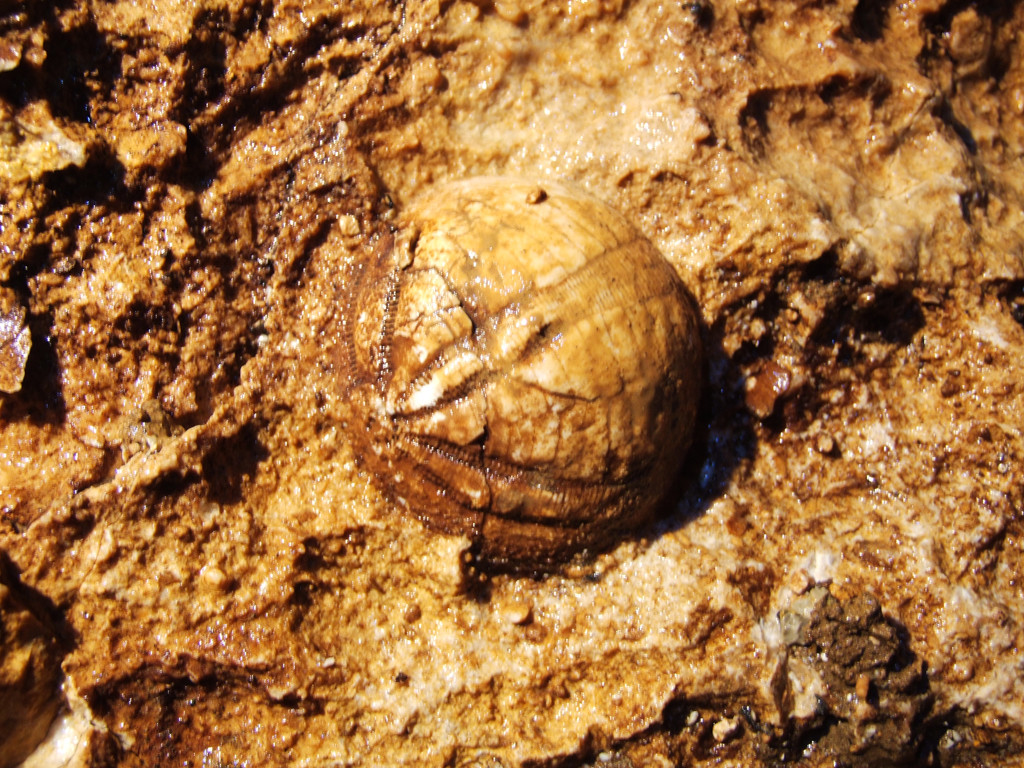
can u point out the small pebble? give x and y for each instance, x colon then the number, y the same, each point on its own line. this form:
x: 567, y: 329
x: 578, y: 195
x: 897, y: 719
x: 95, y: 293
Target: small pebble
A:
x: 725, y: 728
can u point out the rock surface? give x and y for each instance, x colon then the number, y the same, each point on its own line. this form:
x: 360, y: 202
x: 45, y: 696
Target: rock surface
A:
x: 186, y: 186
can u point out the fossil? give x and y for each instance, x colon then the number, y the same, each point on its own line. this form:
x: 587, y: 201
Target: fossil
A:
x: 525, y: 368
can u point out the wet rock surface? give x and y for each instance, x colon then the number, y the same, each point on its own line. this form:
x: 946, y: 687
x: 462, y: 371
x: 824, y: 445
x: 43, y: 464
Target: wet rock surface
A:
x: 185, y: 189
x: 30, y: 655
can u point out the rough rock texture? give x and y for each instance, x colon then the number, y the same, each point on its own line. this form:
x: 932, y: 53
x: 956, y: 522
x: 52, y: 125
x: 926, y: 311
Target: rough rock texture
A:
x: 29, y: 670
x: 185, y: 185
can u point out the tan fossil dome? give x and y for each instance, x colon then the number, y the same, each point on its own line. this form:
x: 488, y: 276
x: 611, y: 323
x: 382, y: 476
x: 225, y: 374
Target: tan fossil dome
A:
x: 527, y: 365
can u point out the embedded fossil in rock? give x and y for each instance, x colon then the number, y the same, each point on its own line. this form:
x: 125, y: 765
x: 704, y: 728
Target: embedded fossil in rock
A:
x: 525, y: 368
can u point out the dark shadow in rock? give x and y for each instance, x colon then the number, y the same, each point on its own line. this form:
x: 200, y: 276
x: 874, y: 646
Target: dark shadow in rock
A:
x: 40, y: 400
x: 723, y: 438
x: 868, y: 21
x: 232, y: 463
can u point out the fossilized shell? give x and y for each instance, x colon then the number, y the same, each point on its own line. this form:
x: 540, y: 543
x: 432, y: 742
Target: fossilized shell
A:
x: 525, y: 367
